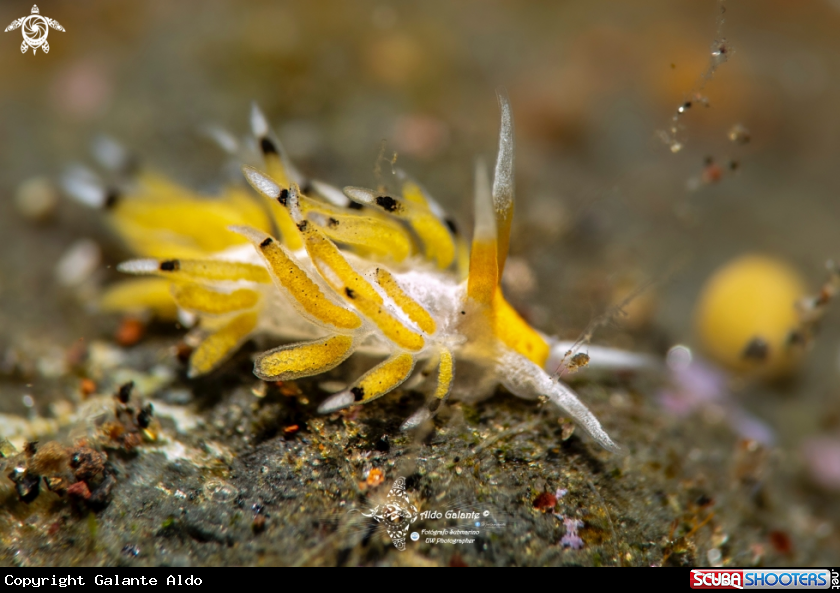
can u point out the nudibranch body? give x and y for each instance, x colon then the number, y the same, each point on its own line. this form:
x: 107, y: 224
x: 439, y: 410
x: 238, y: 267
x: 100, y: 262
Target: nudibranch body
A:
x: 337, y: 272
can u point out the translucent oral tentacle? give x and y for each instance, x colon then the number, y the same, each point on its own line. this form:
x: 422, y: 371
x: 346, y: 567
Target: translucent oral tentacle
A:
x: 567, y: 400
x: 525, y: 379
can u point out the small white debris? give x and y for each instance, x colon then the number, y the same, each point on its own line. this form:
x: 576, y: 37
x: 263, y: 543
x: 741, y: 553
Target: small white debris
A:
x: 84, y: 186
x: 104, y: 356
x: 518, y: 277
x: 185, y: 420
x: 173, y: 451
x: 220, y: 491
x: 110, y: 154
x: 53, y: 364
x: 36, y: 199
x: 79, y: 263
x: 678, y: 358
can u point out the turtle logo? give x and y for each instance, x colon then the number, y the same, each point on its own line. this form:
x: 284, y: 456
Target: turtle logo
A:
x: 35, y: 30
x: 397, y: 514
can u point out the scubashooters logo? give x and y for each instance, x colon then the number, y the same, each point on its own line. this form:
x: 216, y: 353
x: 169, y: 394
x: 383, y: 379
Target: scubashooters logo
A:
x: 35, y: 29
x: 397, y: 514
x: 761, y: 578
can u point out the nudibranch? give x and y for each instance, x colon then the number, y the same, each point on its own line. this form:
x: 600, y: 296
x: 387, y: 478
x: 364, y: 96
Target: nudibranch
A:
x: 334, y: 272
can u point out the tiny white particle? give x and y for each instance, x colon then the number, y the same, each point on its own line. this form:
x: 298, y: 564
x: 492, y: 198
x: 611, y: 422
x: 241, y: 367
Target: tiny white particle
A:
x: 77, y: 265
x: 84, y: 187
x: 679, y: 357
x: 109, y: 153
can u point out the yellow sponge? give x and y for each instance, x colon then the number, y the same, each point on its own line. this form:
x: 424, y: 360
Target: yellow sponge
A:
x: 746, y: 313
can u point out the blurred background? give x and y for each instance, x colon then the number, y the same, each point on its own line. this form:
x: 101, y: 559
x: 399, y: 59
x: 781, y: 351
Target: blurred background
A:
x: 603, y: 203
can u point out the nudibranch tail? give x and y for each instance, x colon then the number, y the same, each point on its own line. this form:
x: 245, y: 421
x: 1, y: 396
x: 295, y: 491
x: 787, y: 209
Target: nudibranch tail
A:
x: 525, y: 379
